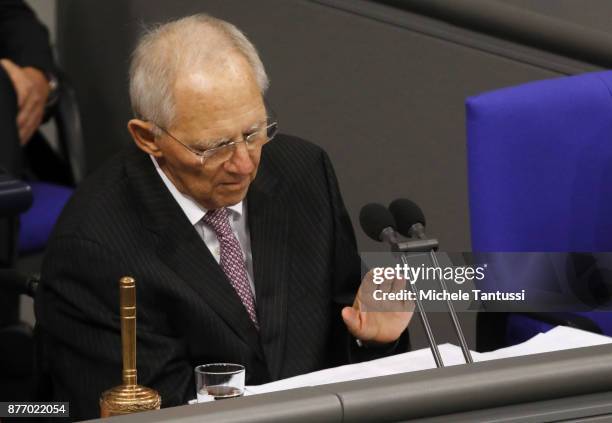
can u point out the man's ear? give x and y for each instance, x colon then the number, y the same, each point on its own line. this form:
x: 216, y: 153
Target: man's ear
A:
x: 144, y: 136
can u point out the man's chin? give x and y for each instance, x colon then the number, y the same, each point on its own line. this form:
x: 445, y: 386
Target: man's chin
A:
x: 232, y: 195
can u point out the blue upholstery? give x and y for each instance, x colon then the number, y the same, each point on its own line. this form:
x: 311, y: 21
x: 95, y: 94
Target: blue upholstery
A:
x: 540, y: 171
x: 540, y: 163
x: 521, y: 328
x: 37, y: 222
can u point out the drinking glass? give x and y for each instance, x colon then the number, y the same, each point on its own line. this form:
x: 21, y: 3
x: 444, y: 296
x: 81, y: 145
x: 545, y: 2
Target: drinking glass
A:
x: 219, y: 381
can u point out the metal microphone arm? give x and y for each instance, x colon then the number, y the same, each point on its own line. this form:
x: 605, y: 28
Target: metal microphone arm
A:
x: 410, y: 245
x: 455, y: 319
x: 389, y: 236
x: 422, y: 244
x: 415, y: 246
x: 433, y: 346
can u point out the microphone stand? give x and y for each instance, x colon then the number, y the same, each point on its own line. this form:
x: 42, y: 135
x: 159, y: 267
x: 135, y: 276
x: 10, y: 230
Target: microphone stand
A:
x: 421, y: 244
x: 455, y: 319
x: 433, y: 345
x: 389, y: 236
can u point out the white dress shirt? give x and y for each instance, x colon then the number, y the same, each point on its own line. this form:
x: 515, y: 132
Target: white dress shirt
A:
x: 195, y: 212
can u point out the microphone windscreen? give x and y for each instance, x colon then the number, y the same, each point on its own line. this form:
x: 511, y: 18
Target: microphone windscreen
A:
x: 374, y: 218
x: 406, y: 214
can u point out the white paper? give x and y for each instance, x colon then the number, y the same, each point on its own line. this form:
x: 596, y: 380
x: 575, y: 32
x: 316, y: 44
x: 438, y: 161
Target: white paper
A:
x: 558, y: 338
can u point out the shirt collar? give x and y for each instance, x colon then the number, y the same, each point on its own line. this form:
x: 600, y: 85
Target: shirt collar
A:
x: 192, y: 209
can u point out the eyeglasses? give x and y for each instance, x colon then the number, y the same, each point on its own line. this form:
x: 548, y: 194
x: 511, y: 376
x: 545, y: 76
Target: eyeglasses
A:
x: 224, y: 149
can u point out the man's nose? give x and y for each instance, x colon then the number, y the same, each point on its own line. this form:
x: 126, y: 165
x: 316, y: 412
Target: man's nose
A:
x: 241, y: 161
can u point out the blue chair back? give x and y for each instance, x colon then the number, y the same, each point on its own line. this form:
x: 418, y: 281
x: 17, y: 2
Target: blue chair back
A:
x: 37, y: 223
x: 540, y: 166
x: 540, y: 171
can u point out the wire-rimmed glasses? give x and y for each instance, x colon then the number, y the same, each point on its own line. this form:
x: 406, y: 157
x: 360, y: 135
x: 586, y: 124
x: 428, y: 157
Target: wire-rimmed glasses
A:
x: 224, y: 149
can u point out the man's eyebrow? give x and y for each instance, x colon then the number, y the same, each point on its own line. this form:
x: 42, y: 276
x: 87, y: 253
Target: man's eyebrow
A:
x: 209, y: 143
x: 257, y: 124
x: 213, y: 142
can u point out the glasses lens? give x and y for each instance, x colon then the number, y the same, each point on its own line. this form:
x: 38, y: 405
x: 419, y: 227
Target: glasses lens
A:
x: 219, y: 156
x: 257, y: 139
x: 253, y: 142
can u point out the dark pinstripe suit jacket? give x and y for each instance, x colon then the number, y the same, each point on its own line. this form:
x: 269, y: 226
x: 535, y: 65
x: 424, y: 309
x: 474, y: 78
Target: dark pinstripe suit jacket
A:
x: 124, y: 221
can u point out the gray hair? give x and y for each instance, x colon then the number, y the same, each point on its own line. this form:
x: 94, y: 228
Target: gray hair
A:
x: 197, y: 40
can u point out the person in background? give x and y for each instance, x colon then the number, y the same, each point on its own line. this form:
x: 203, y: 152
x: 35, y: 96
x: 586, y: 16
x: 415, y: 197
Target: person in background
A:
x: 27, y: 81
x: 28, y: 90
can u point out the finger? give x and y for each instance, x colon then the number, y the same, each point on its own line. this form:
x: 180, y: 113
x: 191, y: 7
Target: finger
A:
x: 389, y: 285
x: 398, y: 285
x: 367, y: 283
x: 357, y: 305
x: 30, y: 124
x: 10, y: 67
x: 366, y: 292
x: 32, y: 109
x: 8, y: 64
x: 357, y: 324
x: 352, y: 320
x: 19, y: 80
x: 23, y: 131
x: 26, y: 132
x: 38, y: 83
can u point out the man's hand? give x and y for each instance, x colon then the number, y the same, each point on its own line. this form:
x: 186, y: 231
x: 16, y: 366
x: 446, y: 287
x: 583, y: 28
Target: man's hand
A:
x: 378, y: 321
x: 32, y: 90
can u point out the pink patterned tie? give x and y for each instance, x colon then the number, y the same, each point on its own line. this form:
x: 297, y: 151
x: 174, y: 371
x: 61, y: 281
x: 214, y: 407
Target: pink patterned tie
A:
x: 232, y: 261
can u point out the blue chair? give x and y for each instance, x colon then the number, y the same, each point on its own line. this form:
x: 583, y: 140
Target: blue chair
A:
x: 540, y: 180
x: 36, y: 224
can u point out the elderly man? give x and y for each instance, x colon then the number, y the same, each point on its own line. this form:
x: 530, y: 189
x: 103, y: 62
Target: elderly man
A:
x: 238, y: 239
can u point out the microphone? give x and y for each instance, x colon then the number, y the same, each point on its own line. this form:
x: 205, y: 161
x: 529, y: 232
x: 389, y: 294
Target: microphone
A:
x: 378, y: 223
x: 409, y: 217
x: 411, y: 223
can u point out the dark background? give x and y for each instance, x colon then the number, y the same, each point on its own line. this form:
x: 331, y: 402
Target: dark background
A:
x: 381, y: 88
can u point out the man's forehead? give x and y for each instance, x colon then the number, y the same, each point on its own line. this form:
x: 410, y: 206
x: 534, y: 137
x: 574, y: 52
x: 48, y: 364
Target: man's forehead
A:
x: 236, y: 121
x: 217, y: 102
x: 210, y: 75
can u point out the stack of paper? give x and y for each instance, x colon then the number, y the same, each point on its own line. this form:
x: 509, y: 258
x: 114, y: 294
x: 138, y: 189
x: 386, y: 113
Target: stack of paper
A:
x: 559, y: 338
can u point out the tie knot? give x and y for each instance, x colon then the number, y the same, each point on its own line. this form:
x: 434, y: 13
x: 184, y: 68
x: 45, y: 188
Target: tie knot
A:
x: 218, y: 220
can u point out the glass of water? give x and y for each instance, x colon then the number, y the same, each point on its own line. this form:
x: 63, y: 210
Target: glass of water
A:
x: 219, y: 381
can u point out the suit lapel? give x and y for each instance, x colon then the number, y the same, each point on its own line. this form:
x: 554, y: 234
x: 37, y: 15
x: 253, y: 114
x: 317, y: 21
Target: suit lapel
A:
x: 183, y: 251
x: 268, y: 218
